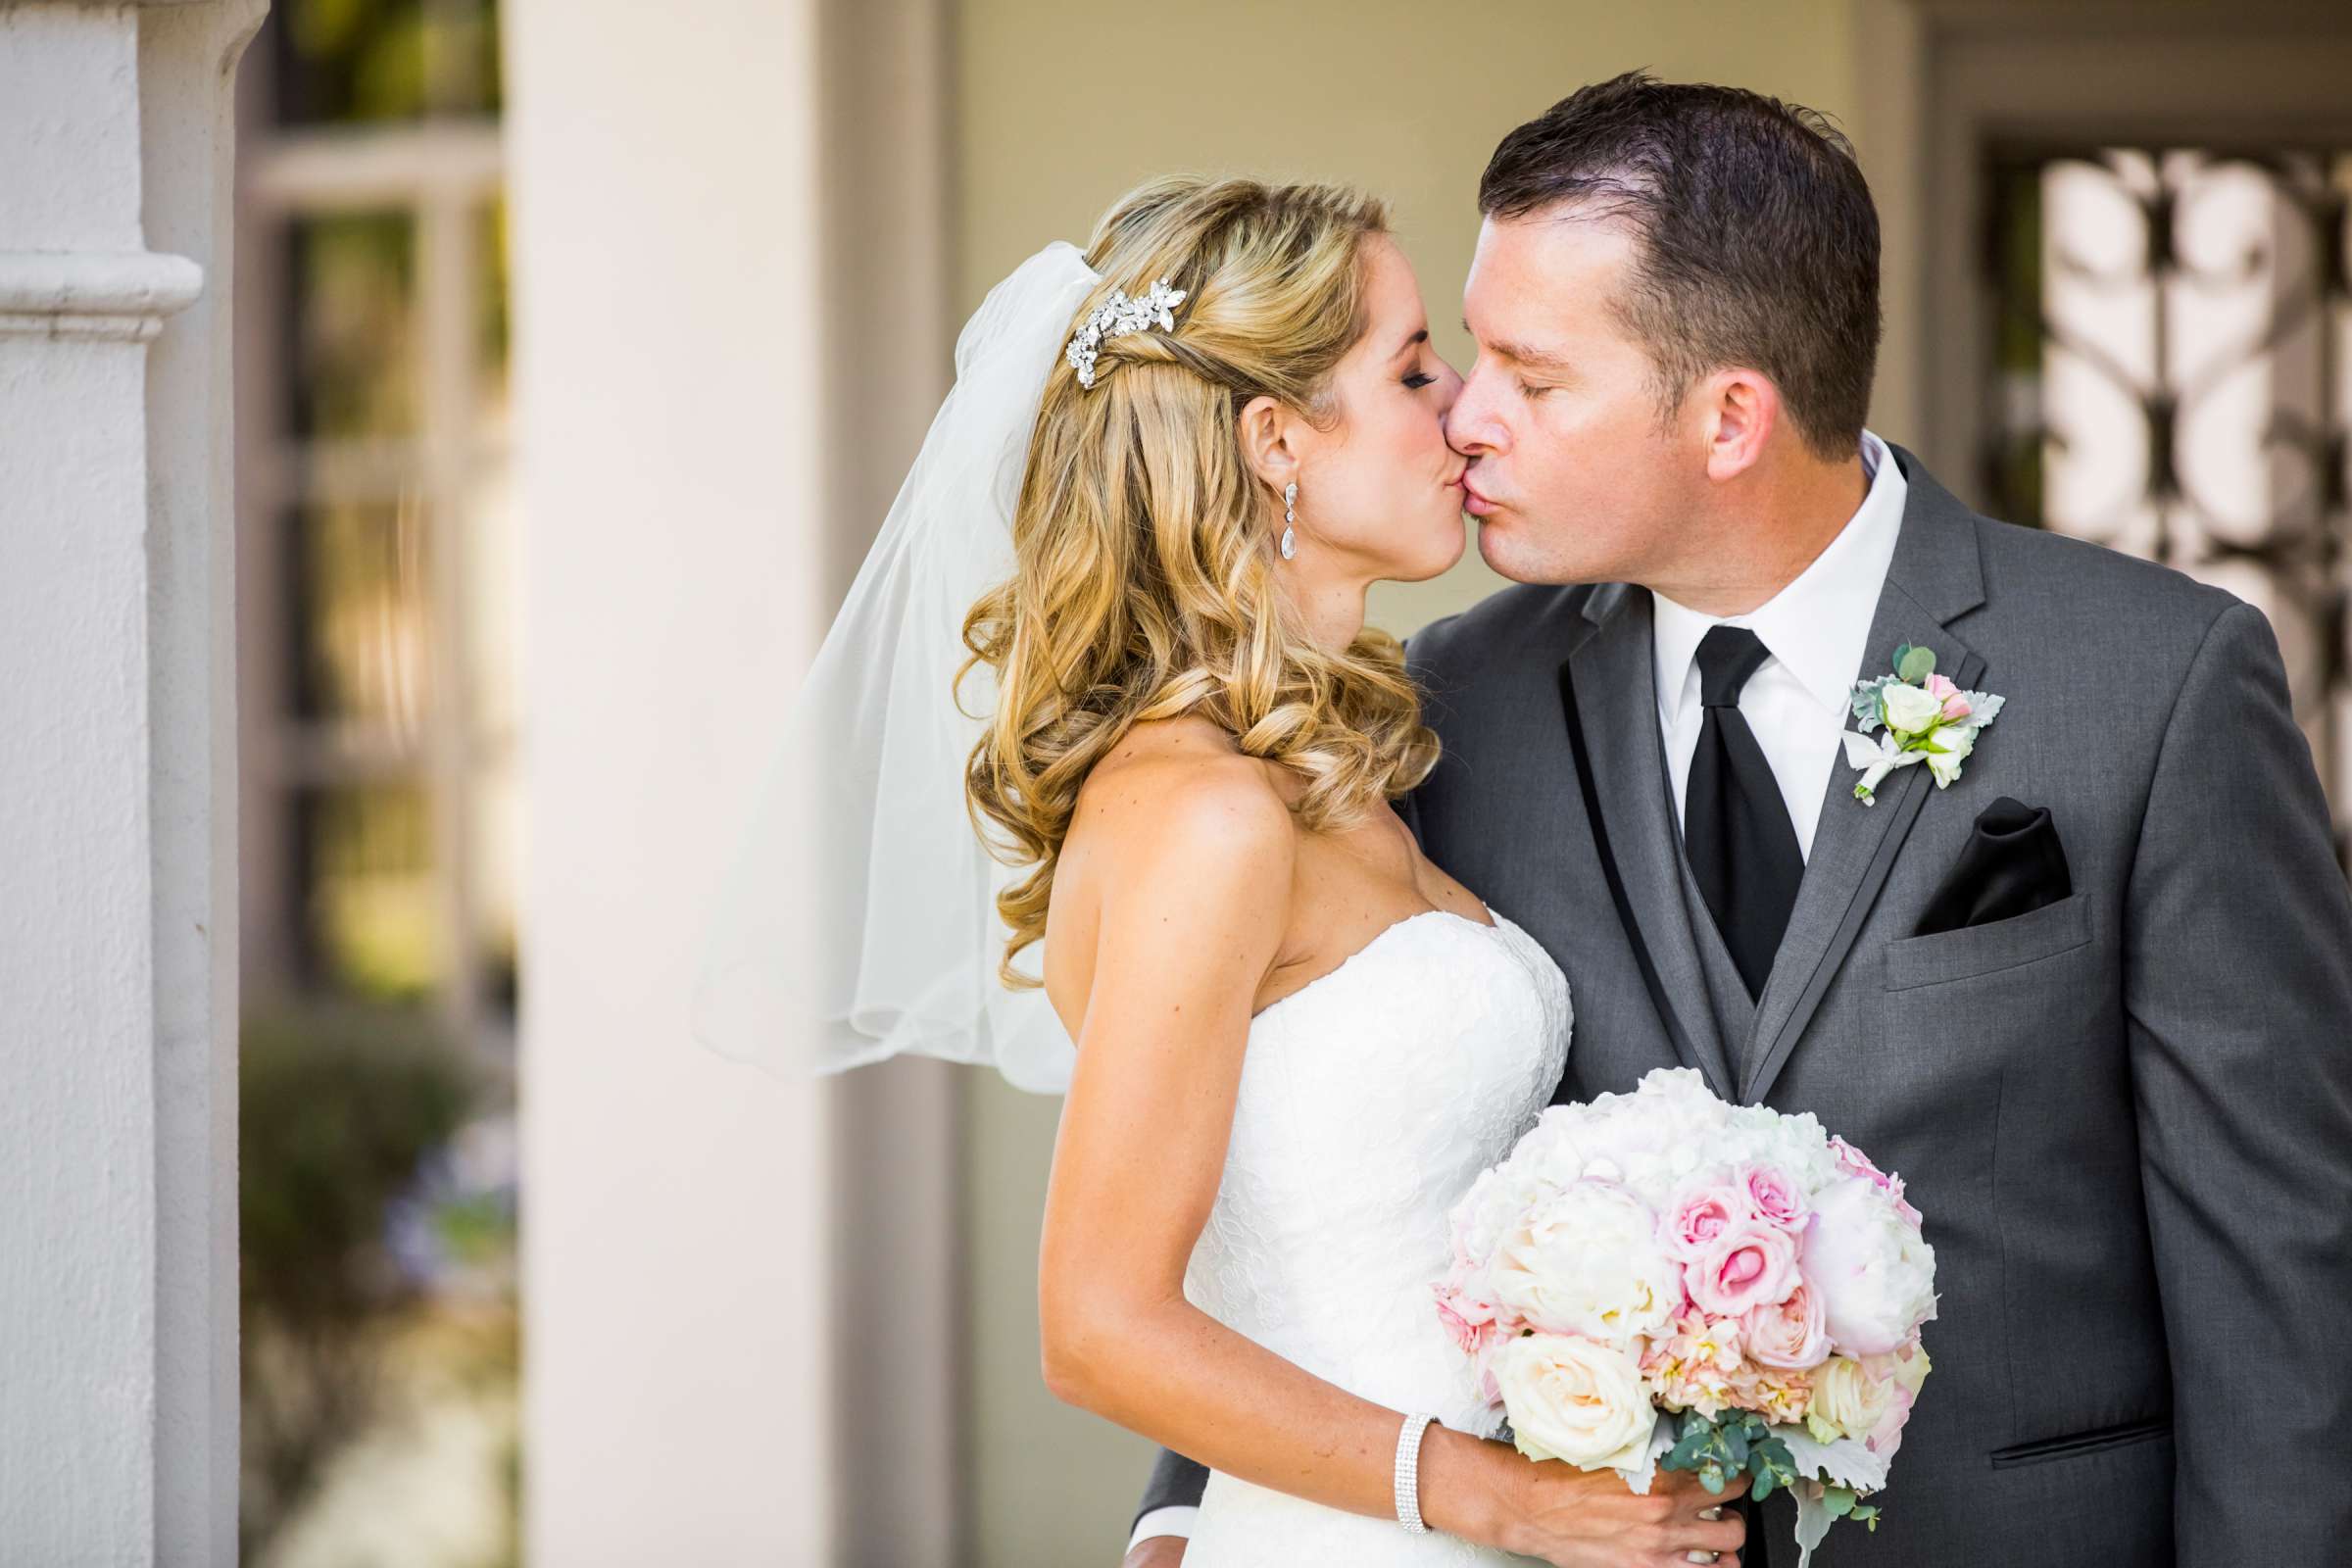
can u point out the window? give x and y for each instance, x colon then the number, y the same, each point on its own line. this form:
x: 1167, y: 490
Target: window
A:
x: 2172, y: 376
x: 380, y: 805
x: 379, y: 809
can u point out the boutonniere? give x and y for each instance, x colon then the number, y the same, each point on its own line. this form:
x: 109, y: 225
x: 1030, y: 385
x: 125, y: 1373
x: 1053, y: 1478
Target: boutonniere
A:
x: 1926, y: 718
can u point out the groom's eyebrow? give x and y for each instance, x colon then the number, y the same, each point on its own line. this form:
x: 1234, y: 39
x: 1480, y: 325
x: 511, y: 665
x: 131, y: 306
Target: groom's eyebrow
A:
x: 1525, y: 354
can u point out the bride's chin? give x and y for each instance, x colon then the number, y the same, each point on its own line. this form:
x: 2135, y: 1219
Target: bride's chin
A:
x: 1445, y: 560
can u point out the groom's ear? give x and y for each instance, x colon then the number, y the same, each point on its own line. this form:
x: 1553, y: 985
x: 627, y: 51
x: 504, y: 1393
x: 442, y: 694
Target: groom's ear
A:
x: 1739, y: 409
x: 1269, y: 444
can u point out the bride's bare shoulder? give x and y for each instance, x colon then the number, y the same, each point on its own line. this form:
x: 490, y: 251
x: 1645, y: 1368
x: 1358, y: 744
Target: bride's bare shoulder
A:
x: 1180, y: 788
x: 1180, y: 825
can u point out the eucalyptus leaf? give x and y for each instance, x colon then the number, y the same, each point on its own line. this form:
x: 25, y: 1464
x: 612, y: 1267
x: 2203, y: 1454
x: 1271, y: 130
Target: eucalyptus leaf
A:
x: 1915, y: 664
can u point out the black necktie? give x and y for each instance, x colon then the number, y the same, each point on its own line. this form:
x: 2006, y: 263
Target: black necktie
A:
x: 1735, y: 826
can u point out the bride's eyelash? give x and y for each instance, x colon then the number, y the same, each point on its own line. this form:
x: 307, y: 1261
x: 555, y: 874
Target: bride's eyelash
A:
x: 1417, y: 380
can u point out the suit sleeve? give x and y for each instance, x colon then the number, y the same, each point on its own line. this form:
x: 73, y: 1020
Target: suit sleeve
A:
x: 2238, y: 986
x: 1176, y: 1483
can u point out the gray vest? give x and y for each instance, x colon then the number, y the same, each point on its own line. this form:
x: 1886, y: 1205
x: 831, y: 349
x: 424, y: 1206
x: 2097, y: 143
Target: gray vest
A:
x: 1734, y: 1008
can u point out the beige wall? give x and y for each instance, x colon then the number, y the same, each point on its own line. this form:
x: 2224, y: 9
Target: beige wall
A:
x: 1061, y: 105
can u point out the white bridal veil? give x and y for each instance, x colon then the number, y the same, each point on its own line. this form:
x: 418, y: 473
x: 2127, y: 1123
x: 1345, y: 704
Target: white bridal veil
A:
x: 857, y: 919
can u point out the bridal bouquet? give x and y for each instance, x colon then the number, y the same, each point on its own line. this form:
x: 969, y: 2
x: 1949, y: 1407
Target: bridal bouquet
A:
x: 1662, y: 1279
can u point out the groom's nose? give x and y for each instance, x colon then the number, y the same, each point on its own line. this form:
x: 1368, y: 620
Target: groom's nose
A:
x: 1471, y: 427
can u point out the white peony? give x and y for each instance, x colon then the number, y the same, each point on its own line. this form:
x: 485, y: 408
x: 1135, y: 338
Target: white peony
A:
x: 1874, y: 1272
x: 1550, y: 1153
x: 1572, y: 1399
x: 1588, y: 1260
x: 1650, y: 1140
x: 1492, y: 1208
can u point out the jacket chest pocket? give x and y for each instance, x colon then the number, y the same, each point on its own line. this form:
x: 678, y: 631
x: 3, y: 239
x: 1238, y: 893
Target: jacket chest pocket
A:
x: 1976, y: 950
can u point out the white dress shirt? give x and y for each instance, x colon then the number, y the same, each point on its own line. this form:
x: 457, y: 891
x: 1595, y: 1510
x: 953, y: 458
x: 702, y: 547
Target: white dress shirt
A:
x: 1817, y: 630
x: 1797, y: 703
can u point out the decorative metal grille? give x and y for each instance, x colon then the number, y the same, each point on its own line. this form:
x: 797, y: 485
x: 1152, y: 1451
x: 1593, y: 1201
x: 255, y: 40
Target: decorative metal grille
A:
x: 2172, y: 376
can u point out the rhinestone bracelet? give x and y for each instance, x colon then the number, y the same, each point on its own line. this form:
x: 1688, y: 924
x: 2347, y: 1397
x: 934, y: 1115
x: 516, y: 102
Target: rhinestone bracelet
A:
x: 1408, y: 1473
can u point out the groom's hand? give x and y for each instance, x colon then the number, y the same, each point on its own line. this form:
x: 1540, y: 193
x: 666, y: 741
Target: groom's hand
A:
x: 1577, y: 1520
x: 1155, y: 1552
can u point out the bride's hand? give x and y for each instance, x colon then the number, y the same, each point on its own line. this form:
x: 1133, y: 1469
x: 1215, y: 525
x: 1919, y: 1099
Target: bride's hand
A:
x: 1572, y: 1519
x: 1576, y: 1519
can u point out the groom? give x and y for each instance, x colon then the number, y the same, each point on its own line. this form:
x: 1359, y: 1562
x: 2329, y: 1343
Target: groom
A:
x: 2092, y: 1000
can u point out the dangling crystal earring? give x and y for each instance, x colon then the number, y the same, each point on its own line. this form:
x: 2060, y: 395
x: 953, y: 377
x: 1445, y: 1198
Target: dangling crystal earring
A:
x: 1290, y: 517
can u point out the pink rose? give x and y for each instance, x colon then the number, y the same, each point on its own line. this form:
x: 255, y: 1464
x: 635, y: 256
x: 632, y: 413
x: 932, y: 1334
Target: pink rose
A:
x: 1750, y: 1264
x: 1854, y: 1162
x: 1459, y: 1328
x: 1955, y: 704
x: 1791, y: 1336
x: 1481, y: 1362
x: 1698, y: 1215
x: 1907, y: 1368
x: 1773, y: 1197
x: 1468, y: 1317
x: 1888, y: 1436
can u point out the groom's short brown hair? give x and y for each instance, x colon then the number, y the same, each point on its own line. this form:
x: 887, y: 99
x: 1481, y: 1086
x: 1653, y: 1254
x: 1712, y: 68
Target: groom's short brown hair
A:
x: 1757, y: 242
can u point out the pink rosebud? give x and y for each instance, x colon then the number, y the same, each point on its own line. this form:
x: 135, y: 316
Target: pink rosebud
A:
x: 1940, y: 686
x: 1752, y: 1264
x: 1773, y: 1197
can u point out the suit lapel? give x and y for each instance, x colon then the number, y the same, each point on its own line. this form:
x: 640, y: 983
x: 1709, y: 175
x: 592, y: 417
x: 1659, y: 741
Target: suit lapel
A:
x: 1608, y: 687
x: 1936, y: 578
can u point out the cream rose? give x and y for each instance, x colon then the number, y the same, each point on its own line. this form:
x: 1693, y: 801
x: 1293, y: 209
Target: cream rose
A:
x: 1845, y: 1395
x: 1908, y: 709
x: 1572, y: 1399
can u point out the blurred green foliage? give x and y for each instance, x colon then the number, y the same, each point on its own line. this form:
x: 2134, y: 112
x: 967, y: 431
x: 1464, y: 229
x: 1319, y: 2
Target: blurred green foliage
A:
x: 338, y: 1105
x: 345, y: 62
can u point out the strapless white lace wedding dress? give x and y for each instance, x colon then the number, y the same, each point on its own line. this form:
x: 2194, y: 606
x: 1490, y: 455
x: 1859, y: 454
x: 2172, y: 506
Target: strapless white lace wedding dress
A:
x: 1370, y: 1100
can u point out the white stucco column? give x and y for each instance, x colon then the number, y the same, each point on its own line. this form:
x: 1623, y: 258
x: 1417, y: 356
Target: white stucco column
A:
x: 662, y: 181
x: 117, y: 843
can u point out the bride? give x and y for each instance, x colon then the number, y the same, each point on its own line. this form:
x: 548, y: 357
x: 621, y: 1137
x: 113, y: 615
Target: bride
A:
x: 1170, y: 468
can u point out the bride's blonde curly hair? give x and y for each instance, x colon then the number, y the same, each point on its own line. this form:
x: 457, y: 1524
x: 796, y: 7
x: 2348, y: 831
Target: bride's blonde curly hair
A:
x: 1144, y: 586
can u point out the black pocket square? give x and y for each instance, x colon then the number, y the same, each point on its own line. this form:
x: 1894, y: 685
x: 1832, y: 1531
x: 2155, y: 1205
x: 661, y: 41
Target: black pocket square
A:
x: 2011, y: 866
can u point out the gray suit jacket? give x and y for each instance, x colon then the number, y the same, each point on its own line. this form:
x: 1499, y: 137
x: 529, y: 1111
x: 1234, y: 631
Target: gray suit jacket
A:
x: 2127, y: 1115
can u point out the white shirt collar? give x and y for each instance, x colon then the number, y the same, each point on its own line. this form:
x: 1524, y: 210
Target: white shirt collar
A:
x: 1818, y: 625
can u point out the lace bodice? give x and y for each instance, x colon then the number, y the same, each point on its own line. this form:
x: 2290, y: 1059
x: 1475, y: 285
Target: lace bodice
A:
x: 1369, y: 1100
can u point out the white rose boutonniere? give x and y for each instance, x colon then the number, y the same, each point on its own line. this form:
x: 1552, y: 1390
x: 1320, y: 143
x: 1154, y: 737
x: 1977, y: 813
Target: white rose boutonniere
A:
x: 1920, y: 716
